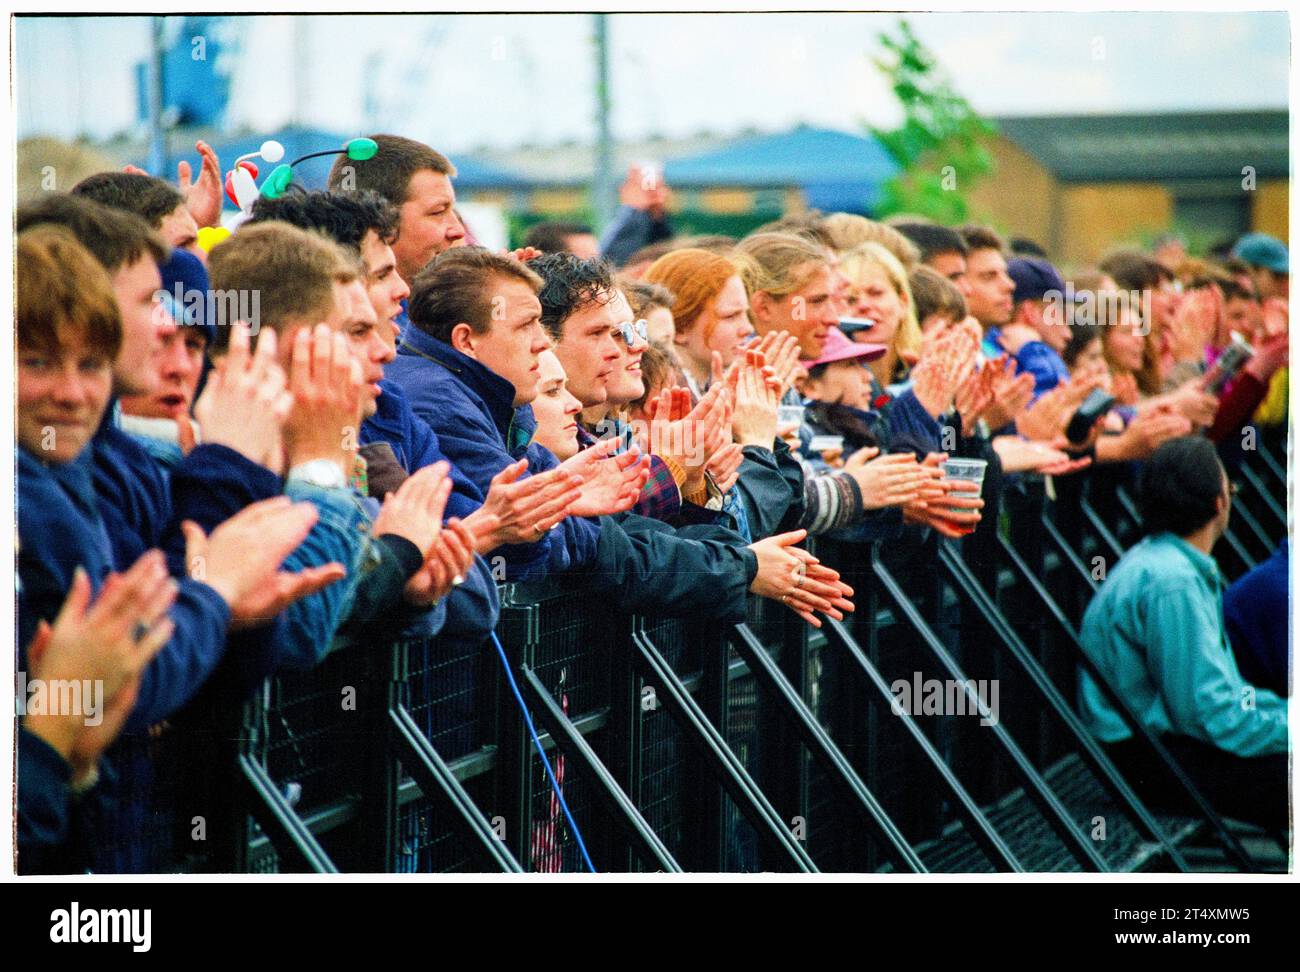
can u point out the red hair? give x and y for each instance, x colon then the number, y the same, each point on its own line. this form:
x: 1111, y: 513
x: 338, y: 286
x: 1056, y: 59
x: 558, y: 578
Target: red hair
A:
x: 695, y: 277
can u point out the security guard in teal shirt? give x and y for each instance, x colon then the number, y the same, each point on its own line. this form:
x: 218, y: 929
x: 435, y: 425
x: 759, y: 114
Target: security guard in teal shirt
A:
x: 1155, y: 630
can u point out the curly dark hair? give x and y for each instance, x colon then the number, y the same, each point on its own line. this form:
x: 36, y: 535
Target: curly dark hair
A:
x: 568, y: 285
x: 149, y: 198
x: 345, y: 217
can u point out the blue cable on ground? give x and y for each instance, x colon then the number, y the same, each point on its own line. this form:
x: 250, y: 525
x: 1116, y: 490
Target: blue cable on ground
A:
x: 541, y: 752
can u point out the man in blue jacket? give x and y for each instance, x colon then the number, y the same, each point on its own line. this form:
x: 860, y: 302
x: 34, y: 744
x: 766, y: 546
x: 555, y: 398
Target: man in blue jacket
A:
x: 366, y: 224
x: 138, y: 508
x: 70, y: 323
x: 469, y: 365
x: 1038, y: 331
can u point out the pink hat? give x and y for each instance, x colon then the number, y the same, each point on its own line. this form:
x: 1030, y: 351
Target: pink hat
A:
x: 837, y: 347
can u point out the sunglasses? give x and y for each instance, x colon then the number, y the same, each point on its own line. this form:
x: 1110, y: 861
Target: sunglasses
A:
x: 631, y: 331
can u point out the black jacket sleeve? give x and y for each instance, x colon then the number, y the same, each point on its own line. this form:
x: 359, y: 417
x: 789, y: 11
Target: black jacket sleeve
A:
x: 772, y: 490
x: 379, y: 590
x: 647, y: 566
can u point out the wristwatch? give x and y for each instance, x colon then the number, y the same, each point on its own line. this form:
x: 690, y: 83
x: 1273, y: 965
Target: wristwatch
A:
x: 318, y: 472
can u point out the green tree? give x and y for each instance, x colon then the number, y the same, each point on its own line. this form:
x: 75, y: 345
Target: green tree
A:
x: 939, y: 147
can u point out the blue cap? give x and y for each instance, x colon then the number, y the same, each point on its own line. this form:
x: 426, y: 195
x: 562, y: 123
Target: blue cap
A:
x: 1034, y: 277
x: 185, y: 284
x: 1262, y: 250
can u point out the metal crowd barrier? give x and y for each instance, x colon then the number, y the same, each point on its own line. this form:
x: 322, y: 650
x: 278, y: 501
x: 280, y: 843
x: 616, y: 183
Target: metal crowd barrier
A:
x: 689, y: 745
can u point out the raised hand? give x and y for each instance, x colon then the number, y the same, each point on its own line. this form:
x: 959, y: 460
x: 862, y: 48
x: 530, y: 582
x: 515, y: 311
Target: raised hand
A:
x: 1047, y: 418
x: 1194, y: 323
x: 797, y: 579
x: 610, y: 483
x: 780, y: 349
x: 326, y: 382
x: 895, y: 479
x: 1194, y: 403
x: 974, y: 396
x: 522, y: 510
x: 203, y: 195
x: 1125, y: 389
x: 1276, y: 317
x: 1011, y: 393
x: 942, y: 368
x: 448, y: 561
x: 245, y: 404
x: 1270, y: 355
x: 755, y: 412
x: 110, y: 642
x: 185, y: 436
x: 685, y: 434
x: 724, y: 466
x: 414, y: 510
x: 241, y: 559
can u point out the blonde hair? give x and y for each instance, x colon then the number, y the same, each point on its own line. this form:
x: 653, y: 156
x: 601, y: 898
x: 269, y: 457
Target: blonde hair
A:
x: 907, y: 337
x: 848, y: 231
x: 778, y: 263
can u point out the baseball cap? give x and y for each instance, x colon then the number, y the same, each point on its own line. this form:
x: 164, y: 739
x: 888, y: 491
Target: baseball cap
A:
x: 1262, y: 250
x: 839, y: 348
x: 185, y: 277
x: 1034, y: 277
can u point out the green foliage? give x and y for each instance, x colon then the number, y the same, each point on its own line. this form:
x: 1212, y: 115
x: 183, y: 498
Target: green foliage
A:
x: 939, y: 147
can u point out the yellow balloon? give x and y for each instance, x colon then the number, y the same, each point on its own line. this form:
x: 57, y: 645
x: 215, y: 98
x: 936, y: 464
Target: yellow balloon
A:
x: 210, y: 236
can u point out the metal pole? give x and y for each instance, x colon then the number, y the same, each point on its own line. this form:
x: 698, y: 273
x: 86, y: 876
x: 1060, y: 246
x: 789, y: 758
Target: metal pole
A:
x: 603, y: 183
x: 157, y: 137
x: 301, y: 55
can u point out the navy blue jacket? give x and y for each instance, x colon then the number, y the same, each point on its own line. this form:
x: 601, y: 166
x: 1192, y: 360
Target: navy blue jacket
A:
x: 651, y: 567
x: 63, y: 522
x: 472, y: 607
x: 1255, y: 612
x: 142, y: 507
x: 472, y: 411
x: 43, y: 777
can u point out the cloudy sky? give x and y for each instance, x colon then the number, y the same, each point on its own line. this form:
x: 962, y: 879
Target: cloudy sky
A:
x: 468, y: 80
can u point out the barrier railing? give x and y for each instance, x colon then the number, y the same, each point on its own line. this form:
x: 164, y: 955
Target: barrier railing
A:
x: 688, y: 745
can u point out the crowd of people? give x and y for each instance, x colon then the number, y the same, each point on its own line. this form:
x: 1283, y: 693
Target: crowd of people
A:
x: 347, y: 422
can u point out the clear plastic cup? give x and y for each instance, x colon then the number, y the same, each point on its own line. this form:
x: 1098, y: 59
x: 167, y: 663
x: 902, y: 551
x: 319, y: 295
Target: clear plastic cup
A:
x: 826, y: 443
x: 966, y: 470
x: 785, y: 414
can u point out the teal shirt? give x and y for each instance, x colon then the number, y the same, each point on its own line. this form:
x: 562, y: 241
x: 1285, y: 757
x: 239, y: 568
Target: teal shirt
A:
x: 1155, y: 630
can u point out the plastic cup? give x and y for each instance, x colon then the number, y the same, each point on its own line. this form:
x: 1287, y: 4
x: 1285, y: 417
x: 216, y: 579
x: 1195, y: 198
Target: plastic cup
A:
x: 785, y: 414
x: 825, y: 443
x: 966, y: 470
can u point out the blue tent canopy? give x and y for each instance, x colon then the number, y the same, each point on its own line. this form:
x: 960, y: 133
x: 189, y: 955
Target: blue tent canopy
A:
x: 837, y: 171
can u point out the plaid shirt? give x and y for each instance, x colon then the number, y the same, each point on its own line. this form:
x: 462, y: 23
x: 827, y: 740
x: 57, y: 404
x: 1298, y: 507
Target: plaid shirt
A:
x: 660, y: 498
